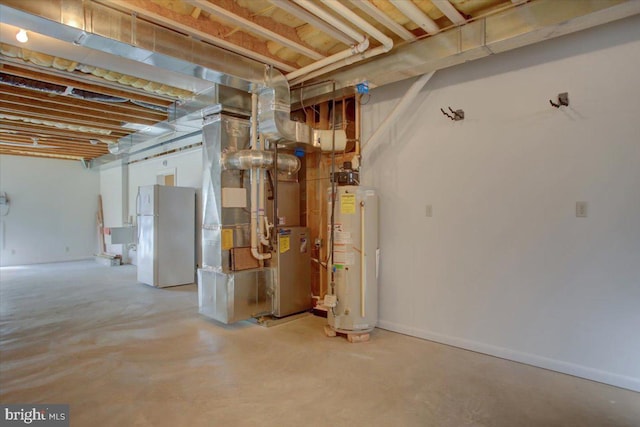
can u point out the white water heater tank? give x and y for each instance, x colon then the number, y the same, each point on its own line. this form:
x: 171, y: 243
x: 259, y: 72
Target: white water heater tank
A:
x: 355, y: 259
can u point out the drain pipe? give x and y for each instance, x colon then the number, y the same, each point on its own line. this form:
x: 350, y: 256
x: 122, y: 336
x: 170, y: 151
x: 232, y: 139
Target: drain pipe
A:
x: 325, y: 66
x: 254, y: 176
x: 261, y: 198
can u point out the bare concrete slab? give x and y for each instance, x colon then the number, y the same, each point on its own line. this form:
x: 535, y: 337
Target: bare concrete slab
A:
x: 123, y: 354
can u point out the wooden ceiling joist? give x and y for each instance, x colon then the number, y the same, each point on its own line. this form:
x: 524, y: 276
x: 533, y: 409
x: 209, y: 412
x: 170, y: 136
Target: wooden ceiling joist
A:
x: 58, y: 112
x: 80, y: 82
x: 125, y: 108
x: 34, y: 129
x: 59, y: 117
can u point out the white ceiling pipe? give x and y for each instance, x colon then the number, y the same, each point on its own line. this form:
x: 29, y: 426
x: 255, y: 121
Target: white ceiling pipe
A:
x: 449, y: 11
x: 254, y: 28
x: 413, y: 12
x: 398, y: 110
x: 326, y: 16
x: 371, y: 10
x: 354, y: 50
x: 312, y: 20
x: 299, y: 77
x: 356, y: 20
x: 342, y: 63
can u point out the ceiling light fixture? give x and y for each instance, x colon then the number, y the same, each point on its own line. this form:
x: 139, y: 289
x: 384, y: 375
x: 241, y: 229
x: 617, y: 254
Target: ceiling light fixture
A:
x: 22, y: 36
x: 93, y: 141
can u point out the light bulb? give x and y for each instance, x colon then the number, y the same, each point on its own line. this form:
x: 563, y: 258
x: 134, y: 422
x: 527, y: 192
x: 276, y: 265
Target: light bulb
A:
x: 22, y: 36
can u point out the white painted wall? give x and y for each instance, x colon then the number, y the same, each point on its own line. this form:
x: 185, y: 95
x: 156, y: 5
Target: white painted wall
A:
x: 113, y: 192
x: 52, y: 216
x: 504, y: 266
x: 117, y: 187
x: 187, y: 165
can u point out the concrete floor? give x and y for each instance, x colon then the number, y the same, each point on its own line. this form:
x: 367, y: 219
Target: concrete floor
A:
x: 125, y: 354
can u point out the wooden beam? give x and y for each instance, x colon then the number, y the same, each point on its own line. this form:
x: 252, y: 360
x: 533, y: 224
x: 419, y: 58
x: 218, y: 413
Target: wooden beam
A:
x: 126, y: 108
x: 324, y: 116
x: 81, y: 81
x: 206, y: 30
x: 98, y: 149
x: 61, y: 110
x: 58, y: 116
x: 51, y: 153
x: 33, y: 129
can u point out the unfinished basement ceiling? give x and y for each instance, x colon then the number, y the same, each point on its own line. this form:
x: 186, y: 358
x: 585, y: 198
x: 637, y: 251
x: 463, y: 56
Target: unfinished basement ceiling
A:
x: 61, y: 105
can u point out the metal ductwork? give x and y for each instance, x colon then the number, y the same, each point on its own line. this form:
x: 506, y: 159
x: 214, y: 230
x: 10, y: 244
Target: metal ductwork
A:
x: 249, y: 159
x: 274, y: 112
x: 214, y: 66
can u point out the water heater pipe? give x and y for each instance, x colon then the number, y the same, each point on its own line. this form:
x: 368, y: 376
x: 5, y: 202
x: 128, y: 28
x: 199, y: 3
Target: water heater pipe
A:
x: 363, y: 281
x: 254, y: 176
x: 261, y: 216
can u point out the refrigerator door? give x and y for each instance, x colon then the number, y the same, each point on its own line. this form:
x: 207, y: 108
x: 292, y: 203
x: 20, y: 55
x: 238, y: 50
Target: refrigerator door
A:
x: 147, y: 266
x: 176, y: 228
x: 293, y: 290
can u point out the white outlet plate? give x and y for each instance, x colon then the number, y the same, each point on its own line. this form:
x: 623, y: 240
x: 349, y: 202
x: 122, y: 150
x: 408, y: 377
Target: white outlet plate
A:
x: 581, y: 209
x: 330, y: 300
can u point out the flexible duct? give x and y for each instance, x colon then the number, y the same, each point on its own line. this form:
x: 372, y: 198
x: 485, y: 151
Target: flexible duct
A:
x: 250, y: 159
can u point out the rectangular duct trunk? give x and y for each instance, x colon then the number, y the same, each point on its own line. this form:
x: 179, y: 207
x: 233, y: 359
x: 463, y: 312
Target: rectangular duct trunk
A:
x: 223, y: 294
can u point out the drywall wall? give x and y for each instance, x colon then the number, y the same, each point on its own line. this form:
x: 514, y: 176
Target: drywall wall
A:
x: 185, y: 165
x: 119, y: 186
x: 503, y: 265
x: 52, y: 211
x: 113, y: 189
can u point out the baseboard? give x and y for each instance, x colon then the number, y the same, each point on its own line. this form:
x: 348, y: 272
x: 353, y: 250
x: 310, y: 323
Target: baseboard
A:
x: 605, y: 377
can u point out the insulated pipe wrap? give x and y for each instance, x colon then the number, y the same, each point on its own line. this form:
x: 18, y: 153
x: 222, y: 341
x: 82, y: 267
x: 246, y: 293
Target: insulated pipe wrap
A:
x: 249, y: 159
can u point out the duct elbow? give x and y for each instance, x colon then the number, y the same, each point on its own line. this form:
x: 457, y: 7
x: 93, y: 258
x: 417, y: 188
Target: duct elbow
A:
x: 274, y: 112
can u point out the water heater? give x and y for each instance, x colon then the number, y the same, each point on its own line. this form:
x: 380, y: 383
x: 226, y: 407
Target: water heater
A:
x: 353, y: 299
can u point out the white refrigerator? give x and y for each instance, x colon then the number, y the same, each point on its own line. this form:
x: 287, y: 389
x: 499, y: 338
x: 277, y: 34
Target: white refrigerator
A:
x: 166, y: 235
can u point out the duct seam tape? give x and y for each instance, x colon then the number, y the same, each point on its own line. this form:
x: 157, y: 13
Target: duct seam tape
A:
x: 324, y: 139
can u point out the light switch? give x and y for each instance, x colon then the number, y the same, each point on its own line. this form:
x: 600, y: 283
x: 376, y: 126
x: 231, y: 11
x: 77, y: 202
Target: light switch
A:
x: 428, y: 211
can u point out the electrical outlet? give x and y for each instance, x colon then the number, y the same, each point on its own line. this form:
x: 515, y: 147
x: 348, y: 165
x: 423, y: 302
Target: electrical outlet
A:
x: 581, y: 209
x: 428, y: 211
x: 330, y: 300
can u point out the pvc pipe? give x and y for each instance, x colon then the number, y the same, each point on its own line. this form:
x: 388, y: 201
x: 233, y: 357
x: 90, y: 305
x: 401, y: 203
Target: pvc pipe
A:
x: 398, y: 110
x: 343, y: 58
x: 327, y: 17
x: 261, y: 215
x: 342, y: 10
x: 363, y: 270
x: 314, y: 21
x: 254, y: 28
x: 347, y: 61
x: 254, y: 184
x: 353, y: 50
x: 384, y: 19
